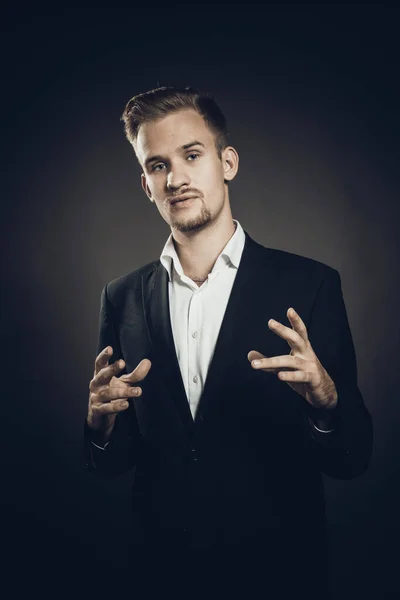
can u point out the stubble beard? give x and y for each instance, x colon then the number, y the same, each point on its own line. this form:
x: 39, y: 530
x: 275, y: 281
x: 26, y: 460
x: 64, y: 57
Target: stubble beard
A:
x: 187, y: 225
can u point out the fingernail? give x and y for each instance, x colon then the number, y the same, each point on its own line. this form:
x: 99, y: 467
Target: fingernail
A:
x: 256, y: 363
x: 272, y: 322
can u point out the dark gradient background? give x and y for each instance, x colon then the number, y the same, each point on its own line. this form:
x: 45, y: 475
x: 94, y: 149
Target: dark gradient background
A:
x: 312, y: 99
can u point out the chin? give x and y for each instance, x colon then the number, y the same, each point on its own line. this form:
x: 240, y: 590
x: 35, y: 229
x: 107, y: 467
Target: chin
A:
x: 192, y: 224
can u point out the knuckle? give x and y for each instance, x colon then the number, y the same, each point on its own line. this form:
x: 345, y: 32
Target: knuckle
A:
x: 99, y: 376
x: 102, y: 371
x: 96, y: 410
x: 102, y: 396
x: 106, y: 408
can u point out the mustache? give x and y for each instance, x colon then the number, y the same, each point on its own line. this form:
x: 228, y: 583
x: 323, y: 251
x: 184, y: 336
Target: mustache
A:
x: 180, y: 193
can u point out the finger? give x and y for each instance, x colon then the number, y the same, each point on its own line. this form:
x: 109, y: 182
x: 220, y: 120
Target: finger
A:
x: 105, y: 375
x: 110, y: 394
x: 295, y: 341
x: 254, y: 354
x: 110, y: 408
x: 295, y: 376
x: 139, y: 373
x: 278, y: 362
x: 102, y: 359
x: 297, y: 323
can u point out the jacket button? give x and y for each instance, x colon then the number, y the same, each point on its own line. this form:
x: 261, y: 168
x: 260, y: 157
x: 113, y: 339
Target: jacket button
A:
x: 194, y: 455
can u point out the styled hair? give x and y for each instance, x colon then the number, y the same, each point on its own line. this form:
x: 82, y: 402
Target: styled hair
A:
x: 160, y: 102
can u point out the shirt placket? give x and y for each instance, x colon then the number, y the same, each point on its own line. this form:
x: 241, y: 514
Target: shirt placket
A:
x: 193, y: 341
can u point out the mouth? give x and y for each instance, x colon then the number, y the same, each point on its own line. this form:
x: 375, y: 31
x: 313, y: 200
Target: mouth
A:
x: 183, y: 198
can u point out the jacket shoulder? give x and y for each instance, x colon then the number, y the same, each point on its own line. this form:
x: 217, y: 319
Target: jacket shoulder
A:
x: 117, y: 288
x: 296, y: 263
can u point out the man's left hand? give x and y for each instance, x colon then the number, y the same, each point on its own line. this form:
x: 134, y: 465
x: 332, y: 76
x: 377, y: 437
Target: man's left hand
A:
x: 301, y: 369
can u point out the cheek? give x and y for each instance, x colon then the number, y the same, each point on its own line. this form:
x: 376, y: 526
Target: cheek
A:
x: 157, y: 186
x: 211, y: 177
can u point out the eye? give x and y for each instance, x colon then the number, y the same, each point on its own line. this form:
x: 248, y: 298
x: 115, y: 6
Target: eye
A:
x: 155, y: 167
x: 193, y: 156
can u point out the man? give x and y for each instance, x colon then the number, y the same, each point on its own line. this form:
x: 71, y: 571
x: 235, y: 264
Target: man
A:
x: 228, y: 416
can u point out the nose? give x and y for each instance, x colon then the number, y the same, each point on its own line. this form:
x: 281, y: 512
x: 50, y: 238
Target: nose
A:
x: 177, y: 177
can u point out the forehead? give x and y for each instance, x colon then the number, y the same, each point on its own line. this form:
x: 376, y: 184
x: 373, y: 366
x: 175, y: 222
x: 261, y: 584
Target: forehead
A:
x: 171, y: 132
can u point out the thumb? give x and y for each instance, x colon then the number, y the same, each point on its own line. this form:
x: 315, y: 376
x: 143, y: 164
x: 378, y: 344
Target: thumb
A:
x: 138, y: 373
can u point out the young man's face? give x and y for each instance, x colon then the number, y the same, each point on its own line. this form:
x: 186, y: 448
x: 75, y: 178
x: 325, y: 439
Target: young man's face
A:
x: 182, y: 172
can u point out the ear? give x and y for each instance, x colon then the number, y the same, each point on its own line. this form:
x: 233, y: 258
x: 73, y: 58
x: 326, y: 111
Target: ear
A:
x: 145, y: 186
x: 230, y: 162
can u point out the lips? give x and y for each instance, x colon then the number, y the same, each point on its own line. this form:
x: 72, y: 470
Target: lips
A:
x: 181, y: 198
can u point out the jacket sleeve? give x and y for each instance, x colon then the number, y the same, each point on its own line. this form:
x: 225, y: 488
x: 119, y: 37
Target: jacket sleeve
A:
x: 122, y: 451
x: 345, y: 452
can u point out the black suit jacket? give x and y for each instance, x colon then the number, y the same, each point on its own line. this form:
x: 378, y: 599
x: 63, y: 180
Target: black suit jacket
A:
x: 248, y: 470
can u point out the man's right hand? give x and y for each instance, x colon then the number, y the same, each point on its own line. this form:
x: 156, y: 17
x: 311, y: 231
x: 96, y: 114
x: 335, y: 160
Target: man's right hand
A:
x: 109, y: 394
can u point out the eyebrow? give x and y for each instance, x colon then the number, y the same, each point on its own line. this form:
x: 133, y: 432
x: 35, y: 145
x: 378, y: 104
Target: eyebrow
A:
x: 184, y: 147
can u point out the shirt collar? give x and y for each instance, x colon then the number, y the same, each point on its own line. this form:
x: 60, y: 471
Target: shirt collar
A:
x: 231, y: 253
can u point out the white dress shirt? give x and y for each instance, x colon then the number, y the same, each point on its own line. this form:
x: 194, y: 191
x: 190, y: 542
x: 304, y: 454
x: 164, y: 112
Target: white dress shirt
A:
x: 196, y: 312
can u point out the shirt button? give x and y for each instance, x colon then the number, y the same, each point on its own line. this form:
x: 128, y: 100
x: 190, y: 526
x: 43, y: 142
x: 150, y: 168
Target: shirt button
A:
x: 195, y: 379
x: 194, y: 334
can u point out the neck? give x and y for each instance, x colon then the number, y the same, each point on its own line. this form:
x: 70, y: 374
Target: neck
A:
x: 199, y: 252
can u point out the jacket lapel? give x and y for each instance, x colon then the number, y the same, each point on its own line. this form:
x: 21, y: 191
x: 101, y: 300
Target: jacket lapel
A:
x: 245, y: 308
x: 245, y: 313
x: 157, y: 316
